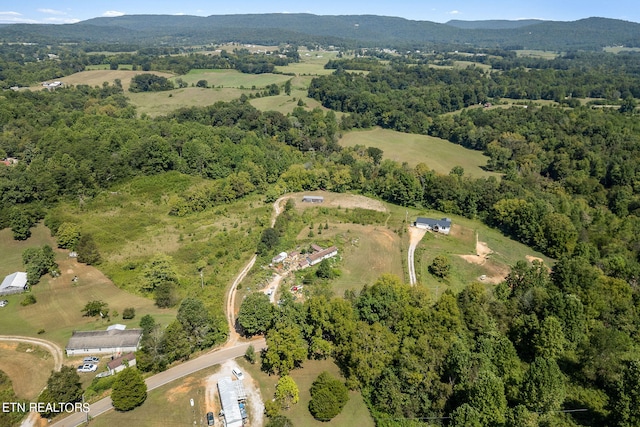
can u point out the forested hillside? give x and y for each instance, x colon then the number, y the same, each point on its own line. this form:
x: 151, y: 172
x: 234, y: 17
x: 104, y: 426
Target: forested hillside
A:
x: 546, y: 347
x: 346, y: 31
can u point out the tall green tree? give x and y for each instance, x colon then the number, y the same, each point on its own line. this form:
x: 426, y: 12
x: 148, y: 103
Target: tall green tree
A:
x: 129, y: 390
x: 256, y: 313
x: 286, y: 349
x: 287, y: 393
x: 543, y: 387
x: 62, y: 386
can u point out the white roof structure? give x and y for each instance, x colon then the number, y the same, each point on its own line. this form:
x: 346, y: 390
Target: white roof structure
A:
x: 14, y: 283
x: 229, y: 401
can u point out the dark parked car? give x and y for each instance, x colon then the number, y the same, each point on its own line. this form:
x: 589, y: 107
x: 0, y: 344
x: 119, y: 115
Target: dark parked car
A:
x: 210, y: 420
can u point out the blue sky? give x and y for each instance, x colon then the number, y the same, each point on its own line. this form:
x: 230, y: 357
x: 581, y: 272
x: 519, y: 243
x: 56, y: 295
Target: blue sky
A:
x: 62, y: 11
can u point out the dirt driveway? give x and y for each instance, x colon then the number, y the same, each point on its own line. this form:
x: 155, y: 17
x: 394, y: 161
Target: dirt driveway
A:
x: 255, y: 406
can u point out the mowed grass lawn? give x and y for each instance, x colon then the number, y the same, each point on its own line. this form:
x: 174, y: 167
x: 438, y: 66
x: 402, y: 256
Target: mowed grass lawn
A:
x: 168, y: 405
x: 355, y: 412
x: 439, y: 154
x: 505, y: 252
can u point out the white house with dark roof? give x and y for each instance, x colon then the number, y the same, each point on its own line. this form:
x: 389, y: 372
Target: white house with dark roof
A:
x: 114, y: 341
x: 438, y: 225
x: 14, y: 283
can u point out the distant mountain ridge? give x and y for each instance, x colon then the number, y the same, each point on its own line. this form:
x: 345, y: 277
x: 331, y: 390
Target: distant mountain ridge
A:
x: 343, y: 30
x: 493, y: 24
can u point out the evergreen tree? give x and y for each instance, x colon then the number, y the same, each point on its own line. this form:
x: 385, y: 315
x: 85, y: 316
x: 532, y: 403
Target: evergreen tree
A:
x: 129, y: 390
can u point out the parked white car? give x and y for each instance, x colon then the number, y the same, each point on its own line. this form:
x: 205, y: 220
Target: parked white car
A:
x: 87, y: 367
x: 3, y: 303
x: 238, y: 374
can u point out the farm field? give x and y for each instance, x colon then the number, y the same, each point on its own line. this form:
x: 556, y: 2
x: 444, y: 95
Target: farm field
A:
x: 438, y: 154
x: 355, y: 411
x: 233, y: 78
x: 97, y: 77
x: 156, y: 104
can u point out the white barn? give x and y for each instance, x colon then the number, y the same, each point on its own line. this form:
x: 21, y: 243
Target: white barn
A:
x: 14, y: 283
x: 317, y: 257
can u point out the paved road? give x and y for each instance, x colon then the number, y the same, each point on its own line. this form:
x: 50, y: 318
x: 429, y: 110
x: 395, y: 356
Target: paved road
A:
x: 213, y: 358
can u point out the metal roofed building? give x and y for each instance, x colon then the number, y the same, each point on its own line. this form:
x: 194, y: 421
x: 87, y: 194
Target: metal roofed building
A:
x: 14, y: 283
x: 229, y: 401
x: 114, y: 341
x: 313, y: 199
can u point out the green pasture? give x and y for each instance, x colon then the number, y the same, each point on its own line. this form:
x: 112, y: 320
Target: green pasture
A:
x: 439, y: 154
x: 168, y: 405
x: 355, y: 411
x: 233, y: 78
x: 160, y: 103
x: 544, y: 54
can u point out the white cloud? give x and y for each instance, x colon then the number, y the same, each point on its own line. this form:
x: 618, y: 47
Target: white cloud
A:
x: 454, y: 12
x: 112, y: 13
x: 15, y: 18
x: 51, y: 11
x: 61, y: 20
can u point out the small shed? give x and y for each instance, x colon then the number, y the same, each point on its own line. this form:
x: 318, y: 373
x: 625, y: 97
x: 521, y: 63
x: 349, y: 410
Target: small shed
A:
x: 14, y: 283
x: 279, y: 258
x: 313, y: 199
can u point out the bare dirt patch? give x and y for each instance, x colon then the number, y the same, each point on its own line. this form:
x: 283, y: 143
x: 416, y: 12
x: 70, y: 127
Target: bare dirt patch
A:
x: 496, y: 273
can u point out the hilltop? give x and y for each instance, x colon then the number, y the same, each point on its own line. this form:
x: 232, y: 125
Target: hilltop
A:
x: 345, y: 30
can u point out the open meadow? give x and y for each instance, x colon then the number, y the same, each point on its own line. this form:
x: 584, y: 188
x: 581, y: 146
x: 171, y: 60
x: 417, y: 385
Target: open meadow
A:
x: 439, y: 154
x: 99, y: 76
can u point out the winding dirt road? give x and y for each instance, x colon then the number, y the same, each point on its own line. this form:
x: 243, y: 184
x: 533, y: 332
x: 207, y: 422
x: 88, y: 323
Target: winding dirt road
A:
x: 51, y: 347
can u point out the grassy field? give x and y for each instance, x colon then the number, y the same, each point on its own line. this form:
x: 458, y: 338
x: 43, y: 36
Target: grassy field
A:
x: 354, y: 413
x: 160, y: 103
x: 462, y: 241
x: 436, y: 153
x: 233, y: 78
x: 99, y: 76
x: 167, y: 405
x: 544, y: 54
x: 367, y: 252
x: 27, y: 366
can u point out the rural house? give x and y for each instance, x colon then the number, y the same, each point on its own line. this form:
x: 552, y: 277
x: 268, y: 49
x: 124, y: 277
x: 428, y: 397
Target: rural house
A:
x: 14, y: 283
x: 438, y: 225
x: 116, y: 340
x: 118, y: 364
x: 317, y: 257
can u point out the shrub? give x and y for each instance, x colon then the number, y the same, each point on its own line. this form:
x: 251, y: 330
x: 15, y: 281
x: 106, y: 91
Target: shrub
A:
x: 28, y: 300
x: 129, y: 313
x: 129, y: 390
x: 328, y: 397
